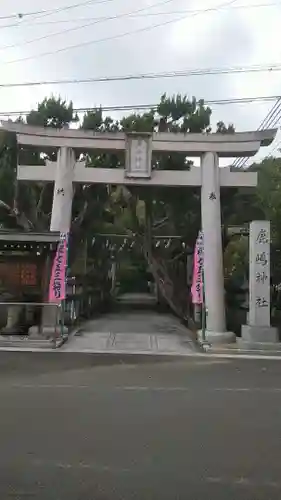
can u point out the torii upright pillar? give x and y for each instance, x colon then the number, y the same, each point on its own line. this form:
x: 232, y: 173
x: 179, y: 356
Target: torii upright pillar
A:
x: 213, y: 254
x: 60, y: 221
x: 63, y: 190
x: 138, y: 149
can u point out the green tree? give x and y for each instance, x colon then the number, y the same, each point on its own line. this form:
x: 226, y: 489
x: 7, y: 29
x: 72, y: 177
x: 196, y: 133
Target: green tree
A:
x: 52, y: 112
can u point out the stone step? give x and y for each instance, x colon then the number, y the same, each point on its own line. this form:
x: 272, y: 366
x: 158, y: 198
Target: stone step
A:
x: 25, y: 343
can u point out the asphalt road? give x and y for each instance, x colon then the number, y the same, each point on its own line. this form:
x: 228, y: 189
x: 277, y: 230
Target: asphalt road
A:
x: 201, y: 429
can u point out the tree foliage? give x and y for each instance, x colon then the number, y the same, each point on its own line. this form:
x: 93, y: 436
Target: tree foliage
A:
x: 52, y: 112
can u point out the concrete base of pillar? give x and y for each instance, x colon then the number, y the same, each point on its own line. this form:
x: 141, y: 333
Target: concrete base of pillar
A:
x: 257, y: 335
x: 50, y: 325
x: 13, y: 326
x: 258, y: 346
x: 218, y: 337
x: 12, y: 330
x: 46, y: 332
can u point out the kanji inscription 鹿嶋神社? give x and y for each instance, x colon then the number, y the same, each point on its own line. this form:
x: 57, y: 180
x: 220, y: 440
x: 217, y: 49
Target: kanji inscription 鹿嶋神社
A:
x: 260, y: 273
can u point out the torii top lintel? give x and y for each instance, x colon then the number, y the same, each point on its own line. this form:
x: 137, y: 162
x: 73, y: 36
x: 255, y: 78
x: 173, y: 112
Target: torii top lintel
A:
x: 225, y: 145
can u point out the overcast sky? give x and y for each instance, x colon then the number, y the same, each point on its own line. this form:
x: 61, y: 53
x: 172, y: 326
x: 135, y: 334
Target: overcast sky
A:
x: 227, y: 36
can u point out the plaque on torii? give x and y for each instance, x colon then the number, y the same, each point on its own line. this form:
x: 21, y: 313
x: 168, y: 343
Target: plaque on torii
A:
x: 138, y: 155
x: 137, y: 171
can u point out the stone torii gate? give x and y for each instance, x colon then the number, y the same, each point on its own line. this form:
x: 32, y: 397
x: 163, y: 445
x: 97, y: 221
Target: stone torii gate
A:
x: 137, y: 171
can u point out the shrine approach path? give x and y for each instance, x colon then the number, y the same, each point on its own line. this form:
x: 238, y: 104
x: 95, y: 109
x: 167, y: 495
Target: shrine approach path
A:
x: 134, y: 330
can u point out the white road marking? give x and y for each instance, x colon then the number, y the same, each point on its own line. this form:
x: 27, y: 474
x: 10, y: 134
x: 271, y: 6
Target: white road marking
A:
x: 141, y: 388
x: 243, y: 482
x: 80, y: 465
x: 247, y: 389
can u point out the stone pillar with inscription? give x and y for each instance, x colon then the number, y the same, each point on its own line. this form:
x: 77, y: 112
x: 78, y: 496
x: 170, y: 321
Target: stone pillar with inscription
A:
x: 258, y: 334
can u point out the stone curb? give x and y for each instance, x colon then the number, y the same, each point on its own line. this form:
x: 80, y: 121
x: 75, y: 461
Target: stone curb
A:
x: 234, y: 351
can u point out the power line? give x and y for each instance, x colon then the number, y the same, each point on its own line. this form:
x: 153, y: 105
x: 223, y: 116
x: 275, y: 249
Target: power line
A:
x: 241, y: 100
x: 150, y: 76
x: 117, y: 16
x: 271, y: 120
x: 270, y: 115
x: 276, y: 148
x: 277, y: 122
x: 19, y: 15
x: 43, y: 13
x: 165, y: 13
x: 115, y: 37
x: 240, y: 162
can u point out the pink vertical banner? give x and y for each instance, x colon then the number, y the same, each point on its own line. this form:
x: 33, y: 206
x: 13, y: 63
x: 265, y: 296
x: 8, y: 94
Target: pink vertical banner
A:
x: 198, y: 263
x: 57, y: 288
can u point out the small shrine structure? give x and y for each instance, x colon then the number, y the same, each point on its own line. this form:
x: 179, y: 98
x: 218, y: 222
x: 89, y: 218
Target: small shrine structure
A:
x: 25, y: 263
